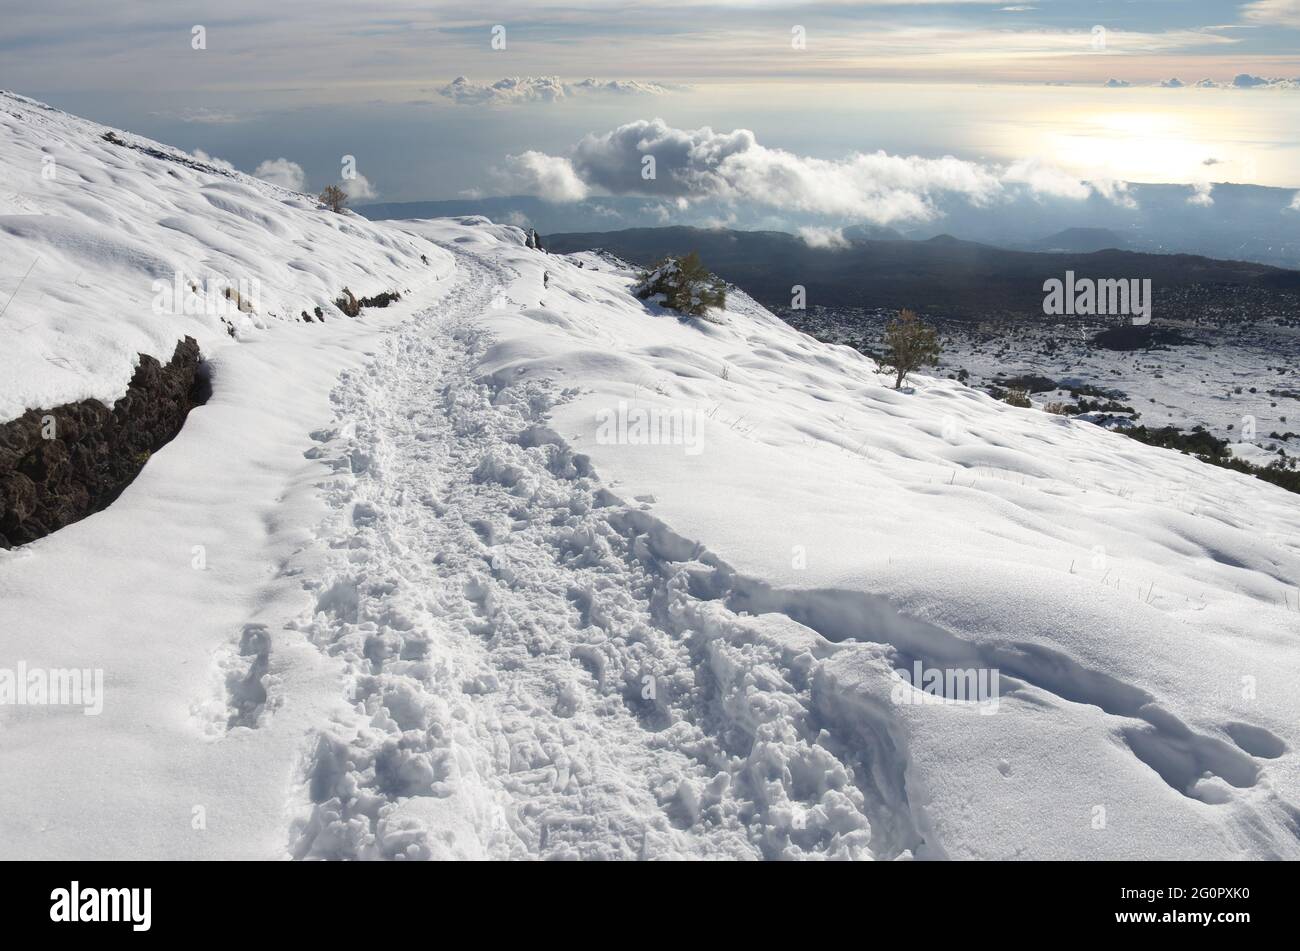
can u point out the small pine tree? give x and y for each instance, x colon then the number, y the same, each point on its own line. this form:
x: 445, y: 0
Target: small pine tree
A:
x: 684, y: 284
x: 334, y: 198
x: 910, y: 344
x: 1017, y: 396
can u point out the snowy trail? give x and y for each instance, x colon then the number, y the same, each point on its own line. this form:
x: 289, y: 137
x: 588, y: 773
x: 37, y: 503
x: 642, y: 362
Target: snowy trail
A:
x: 513, y: 634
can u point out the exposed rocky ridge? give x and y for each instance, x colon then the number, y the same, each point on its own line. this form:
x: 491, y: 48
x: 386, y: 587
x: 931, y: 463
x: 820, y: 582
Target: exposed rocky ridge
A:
x: 59, y: 465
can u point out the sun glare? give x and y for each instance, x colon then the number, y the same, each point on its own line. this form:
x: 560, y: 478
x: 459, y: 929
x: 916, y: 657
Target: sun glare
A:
x: 1138, y: 146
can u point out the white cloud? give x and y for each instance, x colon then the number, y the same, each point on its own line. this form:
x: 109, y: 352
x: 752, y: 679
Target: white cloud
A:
x: 1044, y: 179
x: 1113, y: 191
x: 524, y: 89
x: 358, y: 188
x: 733, y: 166
x: 515, y: 89
x: 1240, y: 81
x: 1202, y: 194
x: 201, y: 114
x: 1247, y: 81
x: 282, y: 172
x: 1295, y: 202
x: 818, y: 237
x: 546, y: 176
x: 1282, y: 12
x: 212, y: 160
x: 1118, y: 83
x: 648, y: 157
x: 624, y: 87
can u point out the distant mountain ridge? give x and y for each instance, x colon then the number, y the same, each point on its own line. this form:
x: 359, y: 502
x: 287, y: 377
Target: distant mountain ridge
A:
x: 1079, y: 239
x: 940, y: 275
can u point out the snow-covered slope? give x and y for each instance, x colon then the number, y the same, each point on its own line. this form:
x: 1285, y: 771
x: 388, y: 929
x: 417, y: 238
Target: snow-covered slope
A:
x: 1140, y: 607
x: 96, y: 233
x: 453, y: 602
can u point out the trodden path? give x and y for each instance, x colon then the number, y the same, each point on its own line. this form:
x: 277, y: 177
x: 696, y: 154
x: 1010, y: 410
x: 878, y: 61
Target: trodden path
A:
x: 531, y: 674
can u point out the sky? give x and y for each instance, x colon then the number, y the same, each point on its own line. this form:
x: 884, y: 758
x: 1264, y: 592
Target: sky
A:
x: 856, y: 110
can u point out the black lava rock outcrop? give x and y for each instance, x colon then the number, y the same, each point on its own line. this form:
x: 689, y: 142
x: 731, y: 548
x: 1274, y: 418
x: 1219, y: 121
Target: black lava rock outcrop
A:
x: 59, y: 465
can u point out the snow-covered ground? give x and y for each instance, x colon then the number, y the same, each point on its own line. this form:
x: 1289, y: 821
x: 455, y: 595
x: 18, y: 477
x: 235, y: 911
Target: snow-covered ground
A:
x: 1228, y: 381
x: 1233, y: 373
x: 94, y: 235
x: 419, y: 584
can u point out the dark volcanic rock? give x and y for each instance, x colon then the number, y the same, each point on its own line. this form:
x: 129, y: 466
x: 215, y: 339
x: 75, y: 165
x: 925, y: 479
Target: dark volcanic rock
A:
x: 1140, y: 337
x: 59, y: 465
x: 1030, y: 383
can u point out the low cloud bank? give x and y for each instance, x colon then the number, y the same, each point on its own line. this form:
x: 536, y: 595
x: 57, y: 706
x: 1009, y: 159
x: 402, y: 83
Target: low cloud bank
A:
x: 683, y: 166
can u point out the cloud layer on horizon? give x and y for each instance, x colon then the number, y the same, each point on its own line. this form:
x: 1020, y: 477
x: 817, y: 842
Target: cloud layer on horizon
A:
x: 1240, y: 81
x: 514, y: 90
x: 653, y: 159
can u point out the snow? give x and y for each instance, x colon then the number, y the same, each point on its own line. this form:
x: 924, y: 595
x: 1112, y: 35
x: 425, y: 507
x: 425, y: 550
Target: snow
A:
x: 522, y: 567
x: 87, y: 227
x: 1238, y: 378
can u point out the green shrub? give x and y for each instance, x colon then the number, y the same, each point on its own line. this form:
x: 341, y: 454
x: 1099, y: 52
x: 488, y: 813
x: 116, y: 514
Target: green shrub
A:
x: 684, y: 285
x: 1017, y: 397
x: 910, y: 344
